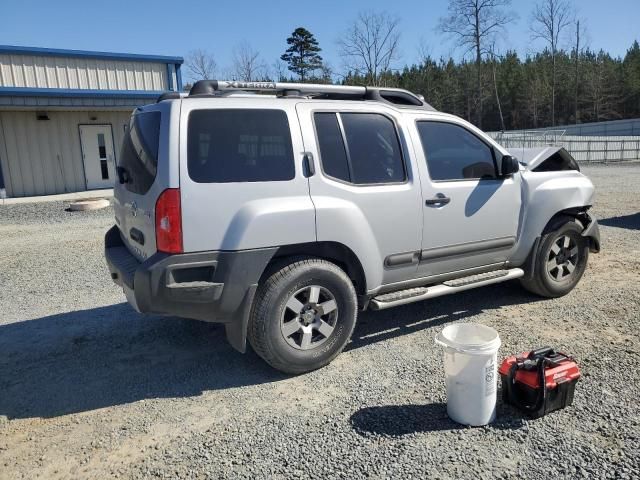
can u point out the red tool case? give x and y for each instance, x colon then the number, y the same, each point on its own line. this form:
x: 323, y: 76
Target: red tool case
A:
x: 540, y: 381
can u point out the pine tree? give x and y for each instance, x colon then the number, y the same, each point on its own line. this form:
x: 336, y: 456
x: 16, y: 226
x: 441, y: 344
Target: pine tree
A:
x: 631, y: 72
x: 302, y: 55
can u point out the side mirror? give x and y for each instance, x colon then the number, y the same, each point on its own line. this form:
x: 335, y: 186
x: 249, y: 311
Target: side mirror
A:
x: 508, y: 166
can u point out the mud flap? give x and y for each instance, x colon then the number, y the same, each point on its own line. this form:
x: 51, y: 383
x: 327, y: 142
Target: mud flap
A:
x: 592, y: 232
x: 237, y: 329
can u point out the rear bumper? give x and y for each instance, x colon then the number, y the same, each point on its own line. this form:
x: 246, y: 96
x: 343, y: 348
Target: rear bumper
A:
x: 210, y: 286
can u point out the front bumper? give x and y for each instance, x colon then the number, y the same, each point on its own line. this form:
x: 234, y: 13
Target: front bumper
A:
x: 210, y: 286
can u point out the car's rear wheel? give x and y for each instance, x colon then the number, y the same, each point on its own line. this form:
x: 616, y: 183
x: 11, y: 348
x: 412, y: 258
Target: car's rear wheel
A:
x: 560, y: 260
x: 303, y: 315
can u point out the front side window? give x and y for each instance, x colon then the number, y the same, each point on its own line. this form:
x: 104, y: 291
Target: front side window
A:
x: 454, y: 153
x: 363, y: 150
x: 239, y: 145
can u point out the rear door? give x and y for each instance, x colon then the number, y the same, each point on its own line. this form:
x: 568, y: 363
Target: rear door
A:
x: 471, y: 215
x: 241, y: 176
x: 366, y: 192
x: 145, y: 164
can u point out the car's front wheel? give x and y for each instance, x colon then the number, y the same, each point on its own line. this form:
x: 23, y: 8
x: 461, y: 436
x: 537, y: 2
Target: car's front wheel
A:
x: 560, y: 260
x: 303, y: 315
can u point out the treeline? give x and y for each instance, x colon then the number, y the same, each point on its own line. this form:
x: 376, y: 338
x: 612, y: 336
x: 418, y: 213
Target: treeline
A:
x: 559, y: 85
x: 593, y: 87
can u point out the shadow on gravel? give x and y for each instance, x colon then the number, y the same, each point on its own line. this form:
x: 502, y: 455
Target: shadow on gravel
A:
x: 400, y: 420
x: 89, y: 359
x: 382, y: 325
x: 632, y: 222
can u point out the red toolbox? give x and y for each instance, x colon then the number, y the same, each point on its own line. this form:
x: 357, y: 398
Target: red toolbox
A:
x: 540, y: 381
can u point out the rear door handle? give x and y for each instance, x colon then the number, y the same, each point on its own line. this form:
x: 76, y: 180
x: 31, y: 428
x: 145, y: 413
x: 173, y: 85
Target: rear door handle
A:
x: 439, y: 200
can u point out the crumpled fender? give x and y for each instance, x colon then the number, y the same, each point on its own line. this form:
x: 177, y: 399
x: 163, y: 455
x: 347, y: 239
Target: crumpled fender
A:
x: 546, y: 194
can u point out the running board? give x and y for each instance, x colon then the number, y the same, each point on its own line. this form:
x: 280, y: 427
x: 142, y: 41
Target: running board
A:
x: 411, y: 295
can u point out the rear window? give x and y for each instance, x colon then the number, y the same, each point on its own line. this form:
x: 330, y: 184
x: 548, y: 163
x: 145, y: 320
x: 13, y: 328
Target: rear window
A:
x: 363, y: 150
x: 239, y: 145
x: 139, y: 153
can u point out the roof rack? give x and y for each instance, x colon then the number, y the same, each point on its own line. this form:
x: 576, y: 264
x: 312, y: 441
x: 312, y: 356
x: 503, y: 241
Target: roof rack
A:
x: 394, y: 96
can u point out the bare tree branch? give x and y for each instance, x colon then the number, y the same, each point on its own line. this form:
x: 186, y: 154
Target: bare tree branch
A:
x: 200, y: 65
x: 370, y: 45
x: 247, y: 64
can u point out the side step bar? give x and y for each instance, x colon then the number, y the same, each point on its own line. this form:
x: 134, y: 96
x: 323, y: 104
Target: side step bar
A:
x: 411, y: 295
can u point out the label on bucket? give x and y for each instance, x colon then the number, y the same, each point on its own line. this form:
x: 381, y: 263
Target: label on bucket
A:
x: 490, y: 379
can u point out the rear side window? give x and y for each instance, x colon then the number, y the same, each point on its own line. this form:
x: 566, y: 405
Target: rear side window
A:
x: 139, y: 153
x: 372, y: 153
x: 239, y: 145
x: 454, y: 153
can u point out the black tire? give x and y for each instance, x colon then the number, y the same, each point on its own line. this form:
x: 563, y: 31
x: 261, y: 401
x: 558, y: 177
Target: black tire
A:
x: 546, y: 281
x: 271, y: 307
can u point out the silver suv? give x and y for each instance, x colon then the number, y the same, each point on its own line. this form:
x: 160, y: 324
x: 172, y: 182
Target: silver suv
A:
x: 280, y: 210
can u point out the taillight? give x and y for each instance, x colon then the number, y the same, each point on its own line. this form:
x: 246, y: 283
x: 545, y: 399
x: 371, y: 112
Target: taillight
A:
x: 169, y: 222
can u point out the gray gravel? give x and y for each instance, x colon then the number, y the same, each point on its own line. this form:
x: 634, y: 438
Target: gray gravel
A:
x: 90, y: 389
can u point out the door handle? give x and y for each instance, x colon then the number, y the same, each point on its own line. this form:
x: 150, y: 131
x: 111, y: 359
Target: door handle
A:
x: 438, y: 201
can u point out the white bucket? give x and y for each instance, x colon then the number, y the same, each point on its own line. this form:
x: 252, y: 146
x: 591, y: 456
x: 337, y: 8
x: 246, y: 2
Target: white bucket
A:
x: 471, y: 369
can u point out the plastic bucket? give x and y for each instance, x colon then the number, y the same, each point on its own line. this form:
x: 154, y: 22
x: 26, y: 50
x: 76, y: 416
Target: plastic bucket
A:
x: 470, y: 367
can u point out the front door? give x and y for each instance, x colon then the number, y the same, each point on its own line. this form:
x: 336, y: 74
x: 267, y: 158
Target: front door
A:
x: 97, y: 155
x: 470, y: 213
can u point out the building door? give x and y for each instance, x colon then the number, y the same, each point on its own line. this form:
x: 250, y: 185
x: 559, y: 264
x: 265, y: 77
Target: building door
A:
x: 97, y: 155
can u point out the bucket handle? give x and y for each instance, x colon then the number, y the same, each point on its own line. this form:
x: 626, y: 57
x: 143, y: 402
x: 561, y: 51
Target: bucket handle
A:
x: 440, y: 340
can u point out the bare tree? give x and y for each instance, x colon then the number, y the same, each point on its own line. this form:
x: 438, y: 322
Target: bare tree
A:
x: 495, y: 85
x: 200, y: 65
x: 475, y: 25
x: 370, y: 44
x: 548, y: 21
x: 580, y: 34
x: 247, y: 64
x: 279, y: 71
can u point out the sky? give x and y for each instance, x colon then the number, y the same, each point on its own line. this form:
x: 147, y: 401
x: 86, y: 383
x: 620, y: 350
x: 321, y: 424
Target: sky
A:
x: 175, y: 28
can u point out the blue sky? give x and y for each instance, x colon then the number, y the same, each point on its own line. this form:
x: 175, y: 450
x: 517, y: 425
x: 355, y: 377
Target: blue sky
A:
x: 159, y: 27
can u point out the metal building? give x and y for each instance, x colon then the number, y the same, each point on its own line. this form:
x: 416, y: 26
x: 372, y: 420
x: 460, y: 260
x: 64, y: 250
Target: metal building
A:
x: 63, y: 114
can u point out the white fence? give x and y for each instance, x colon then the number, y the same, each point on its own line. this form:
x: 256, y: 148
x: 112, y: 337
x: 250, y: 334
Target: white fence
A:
x: 585, y: 149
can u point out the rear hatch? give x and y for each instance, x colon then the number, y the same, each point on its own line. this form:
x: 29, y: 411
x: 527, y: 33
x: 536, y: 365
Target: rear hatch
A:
x: 141, y: 179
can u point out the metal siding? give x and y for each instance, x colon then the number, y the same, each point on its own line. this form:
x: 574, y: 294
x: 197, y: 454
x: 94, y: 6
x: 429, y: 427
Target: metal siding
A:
x: 85, y: 73
x: 44, y: 157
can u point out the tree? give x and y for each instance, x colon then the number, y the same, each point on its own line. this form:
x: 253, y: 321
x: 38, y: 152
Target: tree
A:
x: 302, y: 56
x: 200, y: 65
x: 475, y: 24
x: 370, y: 45
x: 495, y: 86
x: 247, y: 64
x: 631, y: 79
x: 581, y: 41
x: 548, y: 21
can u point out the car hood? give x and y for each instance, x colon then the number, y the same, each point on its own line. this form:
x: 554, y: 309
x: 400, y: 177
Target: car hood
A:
x: 533, y: 157
x: 545, y: 159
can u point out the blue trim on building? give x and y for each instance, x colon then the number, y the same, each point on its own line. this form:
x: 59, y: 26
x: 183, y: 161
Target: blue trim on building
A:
x: 170, y: 68
x: 79, y: 92
x: 179, y: 77
x: 57, y: 52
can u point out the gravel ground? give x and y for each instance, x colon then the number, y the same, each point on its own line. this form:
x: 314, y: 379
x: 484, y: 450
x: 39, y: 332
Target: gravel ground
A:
x: 90, y: 389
